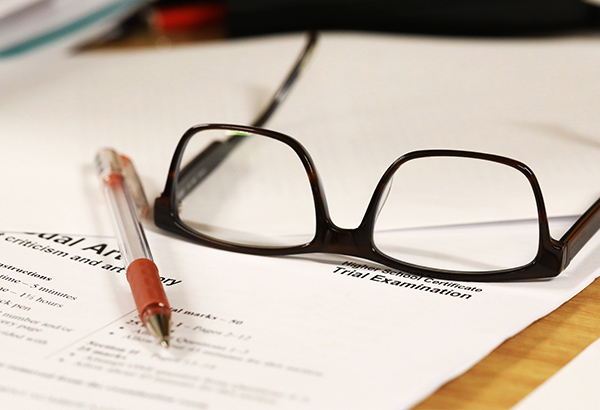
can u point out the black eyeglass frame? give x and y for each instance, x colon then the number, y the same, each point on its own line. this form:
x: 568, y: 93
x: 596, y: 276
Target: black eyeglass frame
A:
x: 552, y: 257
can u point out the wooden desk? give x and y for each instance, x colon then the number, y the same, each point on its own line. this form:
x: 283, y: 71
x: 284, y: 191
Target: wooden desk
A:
x: 517, y: 366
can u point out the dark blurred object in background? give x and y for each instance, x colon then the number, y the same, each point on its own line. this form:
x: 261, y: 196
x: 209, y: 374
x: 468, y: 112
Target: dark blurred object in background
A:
x: 464, y: 17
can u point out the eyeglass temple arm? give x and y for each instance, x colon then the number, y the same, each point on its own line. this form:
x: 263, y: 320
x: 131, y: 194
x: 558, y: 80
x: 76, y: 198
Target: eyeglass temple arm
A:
x: 581, y: 232
x: 284, y: 89
x: 206, y: 161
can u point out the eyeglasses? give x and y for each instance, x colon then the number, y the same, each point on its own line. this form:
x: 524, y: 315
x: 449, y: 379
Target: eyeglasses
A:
x: 433, y: 213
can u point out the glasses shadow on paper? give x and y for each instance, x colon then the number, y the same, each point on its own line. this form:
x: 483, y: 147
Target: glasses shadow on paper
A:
x: 258, y: 98
x: 335, y: 260
x: 560, y: 132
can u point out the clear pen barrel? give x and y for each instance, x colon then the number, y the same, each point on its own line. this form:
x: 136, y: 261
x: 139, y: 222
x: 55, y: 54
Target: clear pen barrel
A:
x: 132, y: 241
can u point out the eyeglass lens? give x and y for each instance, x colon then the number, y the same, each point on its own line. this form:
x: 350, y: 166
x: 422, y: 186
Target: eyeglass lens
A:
x: 258, y: 194
x: 456, y: 213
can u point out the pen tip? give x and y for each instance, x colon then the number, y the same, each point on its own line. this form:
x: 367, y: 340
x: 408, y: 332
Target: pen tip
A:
x: 159, y: 326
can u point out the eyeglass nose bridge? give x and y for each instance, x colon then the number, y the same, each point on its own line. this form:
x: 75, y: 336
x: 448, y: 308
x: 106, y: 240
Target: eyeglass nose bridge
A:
x: 345, y: 241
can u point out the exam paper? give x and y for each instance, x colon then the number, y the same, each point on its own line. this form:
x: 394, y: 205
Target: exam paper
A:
x: 363, y: 101
x: 575, y: 386
x: 328, y: 333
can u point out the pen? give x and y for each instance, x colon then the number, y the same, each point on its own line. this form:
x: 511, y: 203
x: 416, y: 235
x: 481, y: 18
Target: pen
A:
x: 120, y: 183
x: 187, y: 16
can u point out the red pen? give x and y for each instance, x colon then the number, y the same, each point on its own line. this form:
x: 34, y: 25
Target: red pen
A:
x: 187, y: 16
x: 118, y: 178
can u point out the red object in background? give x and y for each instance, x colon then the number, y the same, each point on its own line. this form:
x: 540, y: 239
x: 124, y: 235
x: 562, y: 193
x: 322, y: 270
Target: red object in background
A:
x: 188, y: 17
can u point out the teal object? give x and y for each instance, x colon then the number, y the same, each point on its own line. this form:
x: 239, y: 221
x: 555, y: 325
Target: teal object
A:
x: 40, y: 40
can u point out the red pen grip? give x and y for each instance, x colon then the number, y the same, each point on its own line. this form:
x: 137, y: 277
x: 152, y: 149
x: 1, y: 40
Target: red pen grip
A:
x: 146, y: 287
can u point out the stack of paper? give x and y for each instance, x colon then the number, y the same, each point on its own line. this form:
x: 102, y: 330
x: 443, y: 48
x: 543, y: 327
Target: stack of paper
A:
x: 28, y: 25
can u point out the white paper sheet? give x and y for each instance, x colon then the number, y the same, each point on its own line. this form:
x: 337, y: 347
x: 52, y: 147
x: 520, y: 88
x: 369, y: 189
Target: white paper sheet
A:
x: 8, y: 7
x: 322, y: 336
x: 249, y: 332
x: 365, y: 100
x: 575, y: 386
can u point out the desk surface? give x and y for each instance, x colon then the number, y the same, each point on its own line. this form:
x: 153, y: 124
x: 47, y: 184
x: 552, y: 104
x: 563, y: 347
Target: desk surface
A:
x: 517, y: 366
